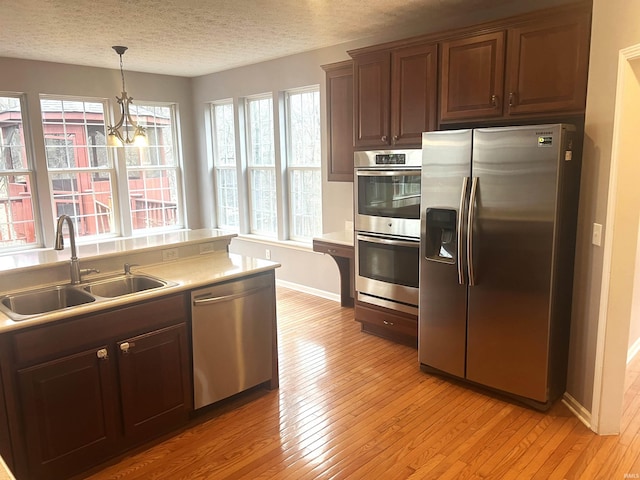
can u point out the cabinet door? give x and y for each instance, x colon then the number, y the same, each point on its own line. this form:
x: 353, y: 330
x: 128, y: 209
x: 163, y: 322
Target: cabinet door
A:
x: 372, y: 77
x: 472, y: 77
x: 413, y: 93
x: 339, y: 80
x: 69, y: 412
x: 547, y: 64
x: 154, y: 382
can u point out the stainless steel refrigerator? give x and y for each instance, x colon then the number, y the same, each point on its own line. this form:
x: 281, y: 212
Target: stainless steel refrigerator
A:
x: 498, y: 224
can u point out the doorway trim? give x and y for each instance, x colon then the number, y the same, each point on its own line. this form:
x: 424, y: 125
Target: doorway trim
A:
x: 610, y: 359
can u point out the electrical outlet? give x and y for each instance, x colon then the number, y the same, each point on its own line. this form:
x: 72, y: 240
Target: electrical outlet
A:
x: 169, y: 254
x: 267, y: 254
x: 596, y: 238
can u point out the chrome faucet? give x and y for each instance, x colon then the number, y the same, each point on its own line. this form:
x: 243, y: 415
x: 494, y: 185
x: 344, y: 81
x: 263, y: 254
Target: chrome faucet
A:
x: 76, y: 272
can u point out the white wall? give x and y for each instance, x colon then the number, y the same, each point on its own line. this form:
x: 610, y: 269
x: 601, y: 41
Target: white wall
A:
x: 614, y: 27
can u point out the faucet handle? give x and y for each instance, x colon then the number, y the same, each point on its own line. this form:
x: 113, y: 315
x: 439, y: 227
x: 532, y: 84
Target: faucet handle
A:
x: 127, y: 267
x: 87, y: 271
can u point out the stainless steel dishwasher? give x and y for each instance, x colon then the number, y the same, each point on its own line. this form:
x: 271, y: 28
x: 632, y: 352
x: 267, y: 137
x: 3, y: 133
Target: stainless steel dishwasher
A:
x: 233, y: 329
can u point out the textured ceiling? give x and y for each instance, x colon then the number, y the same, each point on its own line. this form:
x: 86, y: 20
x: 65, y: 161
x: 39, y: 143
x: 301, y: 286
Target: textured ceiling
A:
x: 196, y: 37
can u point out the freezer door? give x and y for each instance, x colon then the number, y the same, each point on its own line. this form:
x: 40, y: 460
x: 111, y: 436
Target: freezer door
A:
x: 512, y: 234
x: 443, y: 291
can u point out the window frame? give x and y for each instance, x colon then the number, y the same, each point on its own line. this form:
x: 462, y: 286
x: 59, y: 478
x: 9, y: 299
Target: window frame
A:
x: 30, y: 172
x: 112, y: 170
x: 126, y: 215
x: 217, y: 168
x: 250, y: 168
x: 290, y: 167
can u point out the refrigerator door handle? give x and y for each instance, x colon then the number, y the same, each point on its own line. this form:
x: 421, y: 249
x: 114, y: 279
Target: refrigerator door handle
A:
x: 472, y: 212
x: 463, y: 197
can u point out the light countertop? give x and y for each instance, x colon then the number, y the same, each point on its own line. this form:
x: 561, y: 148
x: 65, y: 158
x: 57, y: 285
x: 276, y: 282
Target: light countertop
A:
x: 343, y: 237
x: 183, y: 274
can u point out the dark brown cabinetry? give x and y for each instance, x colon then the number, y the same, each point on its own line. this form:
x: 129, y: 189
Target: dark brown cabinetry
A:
x: 472, y: 77
x: 394, y: 325
x: 92, y: 386
x: 536, y: 67
x: 547, y: 64
x: 395, y: 96
x: 339, y: 94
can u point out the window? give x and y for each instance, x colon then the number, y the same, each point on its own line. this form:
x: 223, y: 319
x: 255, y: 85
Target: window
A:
x: 17, y: 215
x: 261, y: 167
x: 153, y: 172
x: 225, y: 169
x: 282, y: 194
x: 303, y: 164
x: 81, y: 172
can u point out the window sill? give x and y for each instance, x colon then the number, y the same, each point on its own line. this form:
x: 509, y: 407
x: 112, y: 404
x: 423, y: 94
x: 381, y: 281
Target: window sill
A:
x: 295, y: 245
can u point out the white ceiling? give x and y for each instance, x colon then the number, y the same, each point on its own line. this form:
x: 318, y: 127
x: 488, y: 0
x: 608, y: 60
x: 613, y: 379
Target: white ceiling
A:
x: 196, y: 37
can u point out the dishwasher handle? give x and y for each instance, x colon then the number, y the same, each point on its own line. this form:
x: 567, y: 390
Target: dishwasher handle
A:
x: 199, y: 302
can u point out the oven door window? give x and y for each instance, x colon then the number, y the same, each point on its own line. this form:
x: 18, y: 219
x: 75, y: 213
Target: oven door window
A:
x: 389, y: 194
x: 396, y: 264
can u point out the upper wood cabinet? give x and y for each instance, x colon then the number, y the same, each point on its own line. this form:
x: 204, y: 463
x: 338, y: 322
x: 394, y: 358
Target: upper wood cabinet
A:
x: 536, y: 67
x: 414, y: 93
x: 395, y: 96
x: 547, y: 64
x: 472, y: 77
x: 339, y: 95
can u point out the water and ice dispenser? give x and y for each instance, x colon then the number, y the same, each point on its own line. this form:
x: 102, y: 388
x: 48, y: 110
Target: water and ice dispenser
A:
x: 441, y: 239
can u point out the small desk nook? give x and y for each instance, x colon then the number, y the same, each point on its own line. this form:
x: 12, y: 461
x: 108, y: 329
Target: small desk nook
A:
x: 340, y: 246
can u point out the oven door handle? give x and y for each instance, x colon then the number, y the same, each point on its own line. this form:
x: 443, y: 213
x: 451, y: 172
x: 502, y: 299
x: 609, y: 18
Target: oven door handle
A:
x: 388, y: 241
x: 387, y: 173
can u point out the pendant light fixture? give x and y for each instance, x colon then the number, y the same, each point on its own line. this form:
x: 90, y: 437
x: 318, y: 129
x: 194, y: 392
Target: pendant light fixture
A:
x: 119, y: 133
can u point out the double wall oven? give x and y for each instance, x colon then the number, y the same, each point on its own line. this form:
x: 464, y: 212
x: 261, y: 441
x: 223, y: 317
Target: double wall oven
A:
x: 387, y: 228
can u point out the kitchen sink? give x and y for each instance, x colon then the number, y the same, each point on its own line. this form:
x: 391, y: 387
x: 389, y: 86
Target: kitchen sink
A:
x: 123, y: 285
x: 20, y: 306
x: 30, y: 303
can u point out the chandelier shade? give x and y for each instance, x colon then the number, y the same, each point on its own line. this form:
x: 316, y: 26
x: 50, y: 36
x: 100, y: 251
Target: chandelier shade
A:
x: 126, y: 131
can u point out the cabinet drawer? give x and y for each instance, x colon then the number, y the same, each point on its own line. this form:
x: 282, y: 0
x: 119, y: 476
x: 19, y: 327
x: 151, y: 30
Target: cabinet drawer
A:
x: 60, y: 338
x: 397, y: 326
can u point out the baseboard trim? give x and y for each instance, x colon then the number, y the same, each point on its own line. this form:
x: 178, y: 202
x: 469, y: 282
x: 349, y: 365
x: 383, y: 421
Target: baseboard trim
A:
x: 577, y: 409
x: 310, y: 290
x: 633, y: 351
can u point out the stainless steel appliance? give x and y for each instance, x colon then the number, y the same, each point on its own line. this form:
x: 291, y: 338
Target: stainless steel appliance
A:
x: 499, y: 209
x: 387, y: 272
x: 232, y: 338
x: 387, y: 192
x: 387, y: 224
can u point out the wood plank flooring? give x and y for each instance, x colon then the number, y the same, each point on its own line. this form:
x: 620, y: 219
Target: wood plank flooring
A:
x: 354, y: 406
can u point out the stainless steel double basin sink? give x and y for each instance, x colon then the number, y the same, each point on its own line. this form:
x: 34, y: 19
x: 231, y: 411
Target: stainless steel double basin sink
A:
x: 29, y: 303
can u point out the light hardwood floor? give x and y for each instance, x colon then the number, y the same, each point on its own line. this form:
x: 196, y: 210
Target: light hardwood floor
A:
x: 354, y: 406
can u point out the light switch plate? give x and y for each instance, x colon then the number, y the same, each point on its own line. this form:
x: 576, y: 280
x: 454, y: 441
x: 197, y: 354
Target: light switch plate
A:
x: 596, y: 237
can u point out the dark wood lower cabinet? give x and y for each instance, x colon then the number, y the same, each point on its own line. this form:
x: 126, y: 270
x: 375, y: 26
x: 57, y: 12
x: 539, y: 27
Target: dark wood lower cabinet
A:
x: 69, y: 411
x: 393, y: 325
x: 91, y: 387
x: 154, y: 384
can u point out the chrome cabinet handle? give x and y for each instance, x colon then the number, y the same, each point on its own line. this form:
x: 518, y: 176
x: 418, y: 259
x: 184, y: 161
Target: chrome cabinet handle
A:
x: 331, y: 250
x: 385, y: 241
x: 395, y: 138
x: 125, y: 346
x: 463, y: 195
x: 387, y: 323
x: 494, y: 101
x: 512, y: 99
x: 472, y: 212
x: 102, y: 354
x: 383, y: 138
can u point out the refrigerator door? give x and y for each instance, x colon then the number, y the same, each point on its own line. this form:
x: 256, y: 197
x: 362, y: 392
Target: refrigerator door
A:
x: 511, y: 254
x: 443, y: 291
